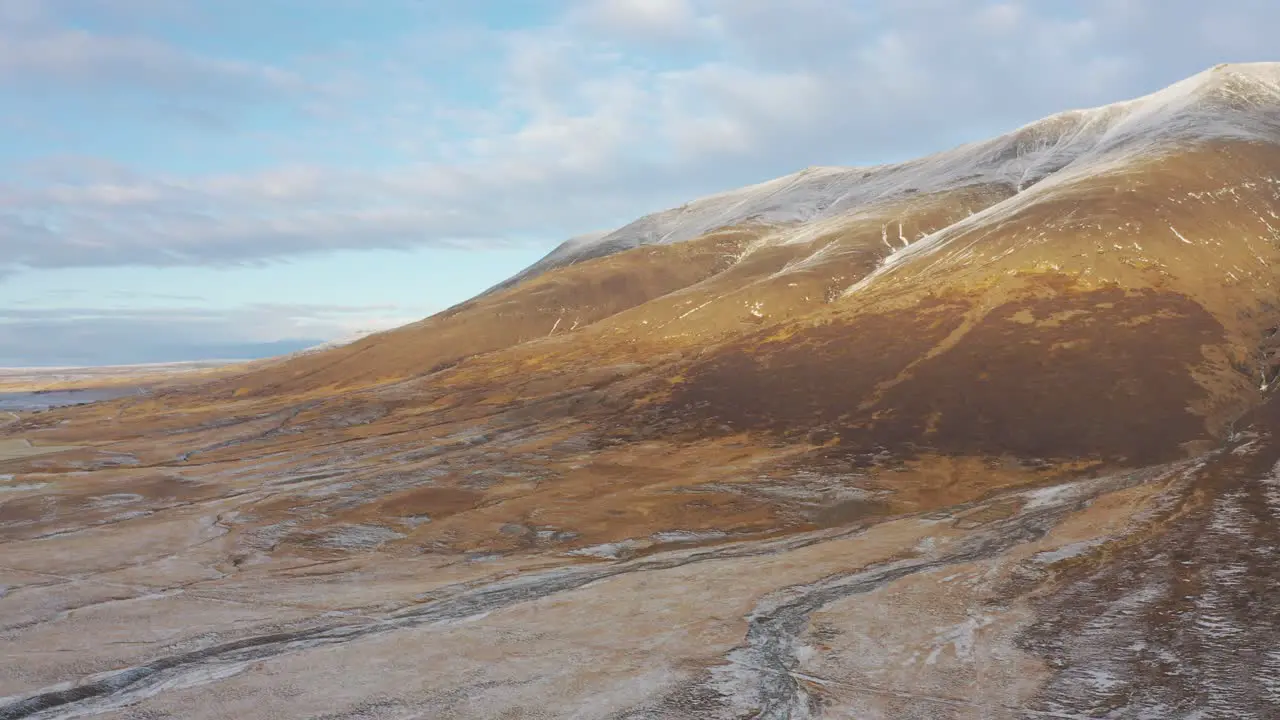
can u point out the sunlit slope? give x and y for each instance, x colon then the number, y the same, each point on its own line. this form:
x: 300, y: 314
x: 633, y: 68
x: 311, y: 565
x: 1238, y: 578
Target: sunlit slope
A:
x: 1171, y: 191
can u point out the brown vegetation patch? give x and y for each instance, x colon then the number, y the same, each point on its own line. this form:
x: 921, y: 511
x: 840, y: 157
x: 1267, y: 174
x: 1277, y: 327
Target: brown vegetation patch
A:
x: 25, y: 510
x: 1068, y: 375
x: 812, y: 378
x: 434, y: 502
x: 1091, y: 383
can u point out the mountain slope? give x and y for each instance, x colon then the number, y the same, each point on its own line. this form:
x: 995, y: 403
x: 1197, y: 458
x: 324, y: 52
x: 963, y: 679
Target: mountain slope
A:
x: 842, y: 223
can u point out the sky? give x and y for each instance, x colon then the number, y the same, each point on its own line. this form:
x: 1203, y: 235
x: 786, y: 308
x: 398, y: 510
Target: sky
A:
x: 197, y: 179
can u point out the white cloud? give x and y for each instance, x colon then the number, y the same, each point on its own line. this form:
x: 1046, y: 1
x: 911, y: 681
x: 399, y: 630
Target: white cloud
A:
x: 641, y: 19
x: 39, y: 57
x: 1002, y: 18
x: 21, y: 14
x: 589, y: 130
x: 814, y: 34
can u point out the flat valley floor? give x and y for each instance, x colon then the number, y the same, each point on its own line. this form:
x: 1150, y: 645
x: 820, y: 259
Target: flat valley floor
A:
x: 229, y: 589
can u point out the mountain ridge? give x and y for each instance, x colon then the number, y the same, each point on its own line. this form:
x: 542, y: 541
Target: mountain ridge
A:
x: 1097, y: 123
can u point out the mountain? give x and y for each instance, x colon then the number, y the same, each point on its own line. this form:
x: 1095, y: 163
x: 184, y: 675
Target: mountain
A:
x: 793, y: 243
x: 986, y: 434
x: 1215, y: 105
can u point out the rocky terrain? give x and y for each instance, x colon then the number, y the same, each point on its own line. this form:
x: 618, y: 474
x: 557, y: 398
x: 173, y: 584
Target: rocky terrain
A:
x: 988, y: 434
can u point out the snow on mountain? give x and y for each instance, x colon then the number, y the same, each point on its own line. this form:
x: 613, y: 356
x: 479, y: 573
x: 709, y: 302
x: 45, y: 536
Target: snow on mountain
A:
x: 1221, y: 103
x: 1228, y: 102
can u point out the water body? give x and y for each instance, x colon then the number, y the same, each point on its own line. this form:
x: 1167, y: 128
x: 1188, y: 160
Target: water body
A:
x: 43, y: 400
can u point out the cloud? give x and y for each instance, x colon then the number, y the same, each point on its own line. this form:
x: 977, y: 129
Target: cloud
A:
x: 578, y: 127
x: 21, y: 14
x: 88, y: 62
x: 640, y: 19
x: 121, y: 336
x: 43, y: 49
